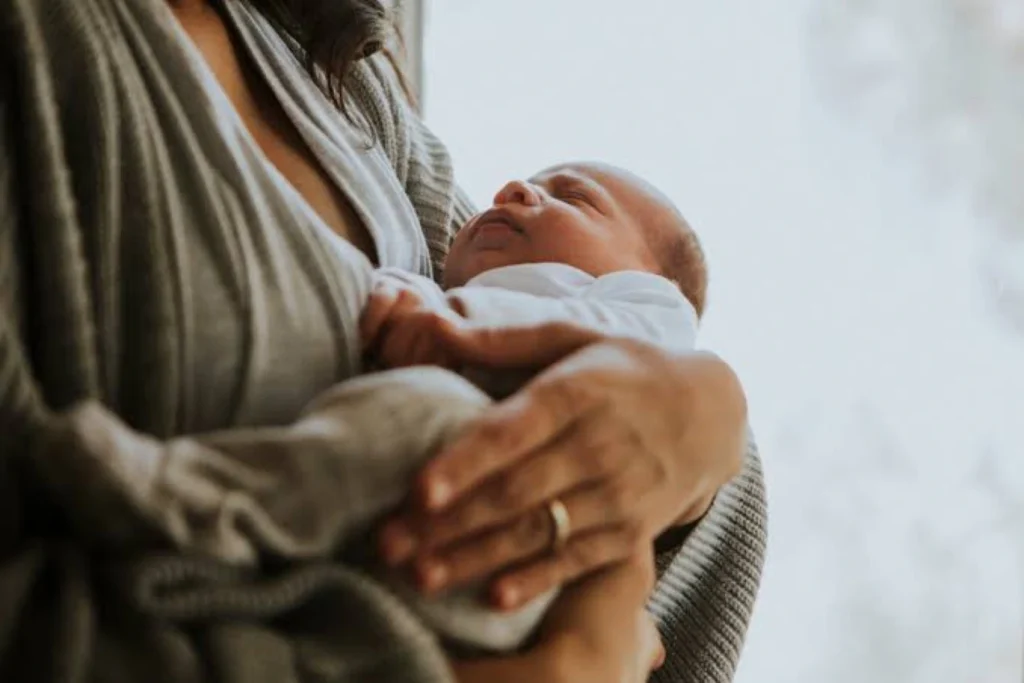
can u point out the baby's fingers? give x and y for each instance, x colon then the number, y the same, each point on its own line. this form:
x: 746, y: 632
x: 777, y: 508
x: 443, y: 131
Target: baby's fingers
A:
x: 382, y: 300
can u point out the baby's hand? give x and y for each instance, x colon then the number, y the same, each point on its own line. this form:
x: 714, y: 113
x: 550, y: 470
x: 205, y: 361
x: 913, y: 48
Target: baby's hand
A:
x: 398, y: 329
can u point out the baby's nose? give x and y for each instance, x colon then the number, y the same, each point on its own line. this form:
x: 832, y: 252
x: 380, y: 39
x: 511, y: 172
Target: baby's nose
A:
x: 517, y: 192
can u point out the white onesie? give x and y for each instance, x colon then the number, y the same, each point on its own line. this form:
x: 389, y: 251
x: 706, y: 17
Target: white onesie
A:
x: 629, y: 303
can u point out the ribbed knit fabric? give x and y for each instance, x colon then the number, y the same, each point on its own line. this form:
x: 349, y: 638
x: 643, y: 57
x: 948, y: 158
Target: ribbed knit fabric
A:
x: 152, y: 264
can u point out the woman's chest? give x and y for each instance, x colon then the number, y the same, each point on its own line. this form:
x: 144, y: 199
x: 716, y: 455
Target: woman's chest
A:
x: 219, y: 293
x: 270, y: 127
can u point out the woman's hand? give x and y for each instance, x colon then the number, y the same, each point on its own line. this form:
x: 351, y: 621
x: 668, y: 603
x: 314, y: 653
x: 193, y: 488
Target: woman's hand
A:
x: 631, y: 439
x: 597, y: 630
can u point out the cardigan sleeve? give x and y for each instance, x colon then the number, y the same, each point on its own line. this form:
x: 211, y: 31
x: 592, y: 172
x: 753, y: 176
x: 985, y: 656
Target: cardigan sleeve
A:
x: 708, y: 583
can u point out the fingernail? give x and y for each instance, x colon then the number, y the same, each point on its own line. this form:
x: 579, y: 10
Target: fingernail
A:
x: 439, y: 493
x: 433, y: 574
x: 397, y: 544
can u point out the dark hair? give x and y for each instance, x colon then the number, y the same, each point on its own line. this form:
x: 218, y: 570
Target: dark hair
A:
x: 331, y: 36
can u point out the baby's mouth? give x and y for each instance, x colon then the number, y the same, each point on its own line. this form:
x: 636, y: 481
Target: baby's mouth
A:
x: 495, y: 223
x: 495, y: 230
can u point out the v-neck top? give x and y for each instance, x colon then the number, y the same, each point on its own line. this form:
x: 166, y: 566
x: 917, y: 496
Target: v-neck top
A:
x: 305, y: 284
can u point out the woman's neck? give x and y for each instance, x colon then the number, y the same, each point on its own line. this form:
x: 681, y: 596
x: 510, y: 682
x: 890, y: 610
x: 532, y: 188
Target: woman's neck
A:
x: 189, y: 7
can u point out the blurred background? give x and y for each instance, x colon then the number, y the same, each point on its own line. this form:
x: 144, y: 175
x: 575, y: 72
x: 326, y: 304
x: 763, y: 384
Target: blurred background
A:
x: 856, y: 171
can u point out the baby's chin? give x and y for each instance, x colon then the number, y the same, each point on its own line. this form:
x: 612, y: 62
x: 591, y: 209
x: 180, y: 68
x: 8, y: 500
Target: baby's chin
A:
x: 458, y: 272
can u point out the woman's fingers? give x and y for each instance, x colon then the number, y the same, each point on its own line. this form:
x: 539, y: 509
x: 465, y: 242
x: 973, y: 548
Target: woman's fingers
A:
x: 527, y: 538
x: 486, y: 554
x: 511, y: 431
x: 525, y: 347
x: 558, y: 468
x: 584, y: 553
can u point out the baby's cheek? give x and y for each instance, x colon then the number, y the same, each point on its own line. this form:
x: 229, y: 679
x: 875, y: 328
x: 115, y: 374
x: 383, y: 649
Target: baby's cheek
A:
x: 589, y: 250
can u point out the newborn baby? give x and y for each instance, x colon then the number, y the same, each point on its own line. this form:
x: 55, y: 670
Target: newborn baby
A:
x: 588, y: 244
x: 584, y: 244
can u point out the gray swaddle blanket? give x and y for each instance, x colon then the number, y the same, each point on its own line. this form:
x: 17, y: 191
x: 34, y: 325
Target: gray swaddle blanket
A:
x: 149, y: 293
x: 310, y: 490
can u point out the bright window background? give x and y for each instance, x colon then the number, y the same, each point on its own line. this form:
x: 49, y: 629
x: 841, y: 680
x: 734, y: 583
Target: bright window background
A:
x: 851, y: 291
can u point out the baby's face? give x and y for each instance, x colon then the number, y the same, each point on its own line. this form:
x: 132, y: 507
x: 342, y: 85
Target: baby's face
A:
x: 589, y: 216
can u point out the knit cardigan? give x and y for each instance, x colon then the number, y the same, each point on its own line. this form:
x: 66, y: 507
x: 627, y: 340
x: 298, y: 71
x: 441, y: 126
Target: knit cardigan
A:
x: 145, y: 275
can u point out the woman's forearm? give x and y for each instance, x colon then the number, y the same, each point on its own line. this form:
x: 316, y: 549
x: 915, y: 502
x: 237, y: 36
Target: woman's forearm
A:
x: 717, y: 406
x: 714, y: 387
x: 540, y: 664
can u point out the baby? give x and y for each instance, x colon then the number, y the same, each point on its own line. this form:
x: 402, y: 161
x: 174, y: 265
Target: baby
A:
x: 588, y: 244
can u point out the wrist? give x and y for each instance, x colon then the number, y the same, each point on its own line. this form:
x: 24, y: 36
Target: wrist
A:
x: 559, y: 657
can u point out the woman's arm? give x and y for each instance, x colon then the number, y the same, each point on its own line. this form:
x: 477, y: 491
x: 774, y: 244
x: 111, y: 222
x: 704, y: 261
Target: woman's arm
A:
x: 597, y: 631
x: 717, y: 402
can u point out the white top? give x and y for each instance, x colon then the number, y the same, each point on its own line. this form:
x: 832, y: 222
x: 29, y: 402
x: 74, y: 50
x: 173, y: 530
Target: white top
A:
x: 629, y: 303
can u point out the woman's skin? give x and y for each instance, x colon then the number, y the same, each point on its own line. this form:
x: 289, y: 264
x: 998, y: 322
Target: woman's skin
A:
x: 598, y: 630
x: 576, y: 643
x: 267, y: 121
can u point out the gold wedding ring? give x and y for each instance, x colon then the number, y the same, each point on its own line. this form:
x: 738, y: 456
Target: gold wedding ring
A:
x: 561, y: 525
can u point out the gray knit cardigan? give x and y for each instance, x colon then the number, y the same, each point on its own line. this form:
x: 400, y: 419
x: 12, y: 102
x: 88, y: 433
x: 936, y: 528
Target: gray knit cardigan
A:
x: 146, y: 271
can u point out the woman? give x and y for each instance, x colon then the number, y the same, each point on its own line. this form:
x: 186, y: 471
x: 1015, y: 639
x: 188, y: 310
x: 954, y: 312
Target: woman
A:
x: 186, y: 243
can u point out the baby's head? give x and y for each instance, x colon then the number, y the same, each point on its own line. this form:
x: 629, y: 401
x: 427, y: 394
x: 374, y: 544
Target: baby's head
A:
x: 596, y: 217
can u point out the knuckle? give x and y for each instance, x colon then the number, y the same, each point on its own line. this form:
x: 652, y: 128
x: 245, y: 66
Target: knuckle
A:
x: 454, y: 524
x: 505, y: 546
x: 576, y: 559
x: 510, y: 492
x: 566, y: 395
x: 604, y: 456
x: 588, y: 554
x: 631, y: 534
x: 619, y: 498
x: 494, y: 433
